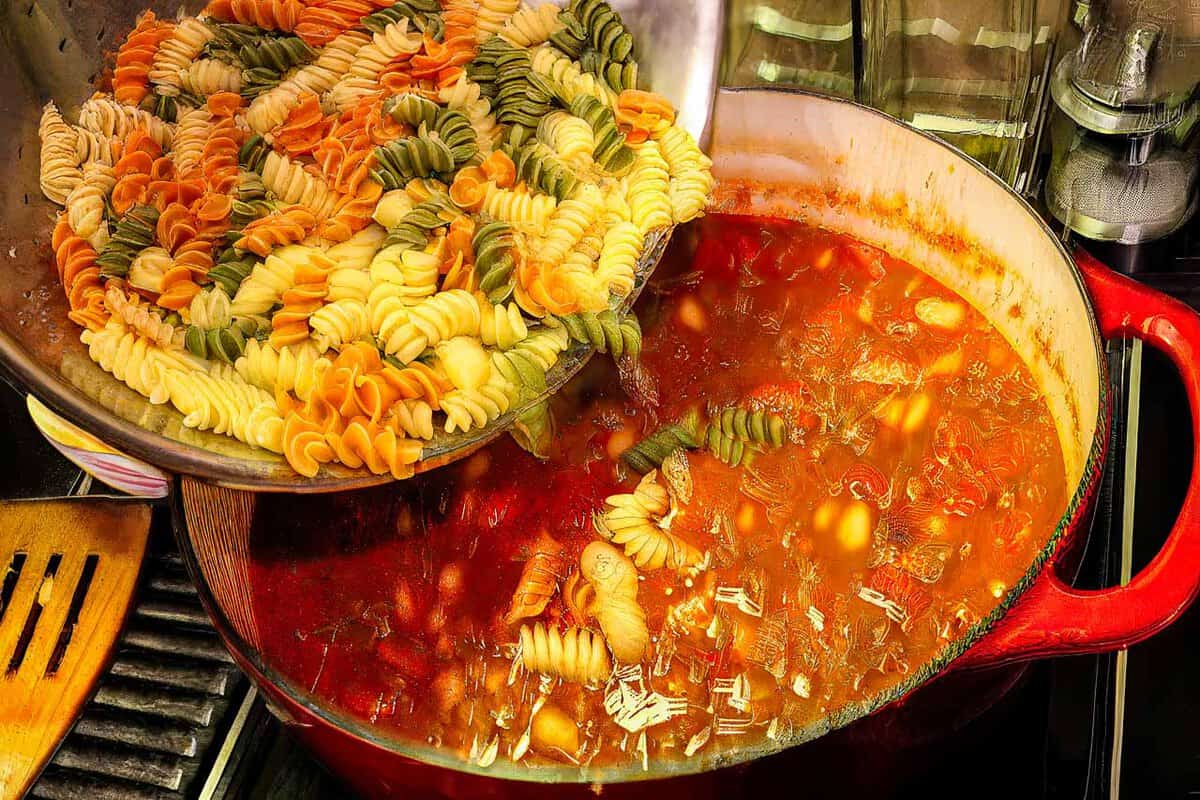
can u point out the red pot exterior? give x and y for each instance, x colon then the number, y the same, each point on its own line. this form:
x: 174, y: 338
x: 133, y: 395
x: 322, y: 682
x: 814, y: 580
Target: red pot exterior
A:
x: 1054, y: 619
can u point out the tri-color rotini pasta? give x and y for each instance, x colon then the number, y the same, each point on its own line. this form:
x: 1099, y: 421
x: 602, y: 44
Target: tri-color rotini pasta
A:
x: 339, y: 229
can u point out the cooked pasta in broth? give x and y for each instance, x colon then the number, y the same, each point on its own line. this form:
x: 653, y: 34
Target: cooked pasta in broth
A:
x: 823, y: 471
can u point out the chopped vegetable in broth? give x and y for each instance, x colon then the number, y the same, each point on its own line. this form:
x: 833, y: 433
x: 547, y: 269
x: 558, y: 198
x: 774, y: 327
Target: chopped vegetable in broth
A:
x: 823, y: 471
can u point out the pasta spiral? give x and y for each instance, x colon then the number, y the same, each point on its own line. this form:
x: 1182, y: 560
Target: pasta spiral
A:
x: 530, y: 27
x: 338, y: 322
x: 291, y: 183
x: 650, y: 453
x: 406, y: 332
x: 225, y: 405
x: 286, y: 226
x: 539, y: 166
x: 529, y: 213
x: 110, y: 119
x: 281, y: 15
x: 86, y: 203
x: 763, y: 427
x: 296, y: 369
x: 79, y: 276
x: 648, y: 194
x: 60, y: 171
x: 136, y: 56
x: 606, y: 332
x: 577, y: 656
x: 570, y: 82
x: 176, y: 52
x: 135, y: 360
x: 690, y: 169
x: 415, y: 157
x: 271, y: 107
x: 635, y: 521
x: 141, y: 318
x: 569, y: 136
x: 611, y: 150
x: 422, y: 13
x: 614, y: 580
x: 570, y: 221
x: 464, y: 95
x: 501, y: 326
x: 209, y: 76
x: 492, y: 16
x: 289, y: 324
x: 400, y: 276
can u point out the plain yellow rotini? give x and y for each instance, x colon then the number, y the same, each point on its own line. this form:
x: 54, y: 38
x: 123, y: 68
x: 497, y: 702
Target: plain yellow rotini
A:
x: 615, y: 270
x: 530, y: 27
x: 191, y: 134
x: 413, y: 417
x: 108, y: 118
x: 569, y: 223
x: 135, y: 360
x: 211, y: 309
x: 464, y: 361
x: 501, y: 326
x: 297, y: 368
x: 690, y: 170
x: 400, y: 276
x: 357, y: 251
x: 636, y: 522
x: 467, y: 409
x: 176, y: 53
x: 492, y: 15
x: 292, y: 183
x: 408, y: 331
x: 525, y: 211
x: 148, y: 269
x: 392, y: 207
x: 224, y: 405
x: 209, y: 76
x: 614, y: 579
x: 339, y: 322
x: 60, y: 171
x: 647, y: 189
x: 93, y: 148
x: 577, y: 656
x: 86, y: 204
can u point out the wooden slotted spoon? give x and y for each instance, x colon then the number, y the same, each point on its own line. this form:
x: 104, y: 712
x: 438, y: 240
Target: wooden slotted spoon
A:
x: 68, y: 569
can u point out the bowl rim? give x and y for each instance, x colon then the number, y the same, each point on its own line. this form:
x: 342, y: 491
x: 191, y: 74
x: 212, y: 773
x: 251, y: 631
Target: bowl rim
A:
x: 1068, y: 524
x: 271, y: 472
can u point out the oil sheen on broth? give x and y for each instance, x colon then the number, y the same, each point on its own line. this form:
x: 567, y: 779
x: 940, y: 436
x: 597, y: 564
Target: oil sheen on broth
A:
x: 919, y: 474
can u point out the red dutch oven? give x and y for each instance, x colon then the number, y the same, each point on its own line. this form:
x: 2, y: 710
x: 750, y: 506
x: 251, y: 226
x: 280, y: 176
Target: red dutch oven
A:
x: 854, y: 170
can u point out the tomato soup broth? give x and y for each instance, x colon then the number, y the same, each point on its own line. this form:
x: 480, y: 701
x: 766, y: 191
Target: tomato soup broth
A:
x: 864, y: 468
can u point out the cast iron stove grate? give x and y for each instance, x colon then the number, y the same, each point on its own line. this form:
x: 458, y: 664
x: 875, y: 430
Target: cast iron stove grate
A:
x: 156, y: 727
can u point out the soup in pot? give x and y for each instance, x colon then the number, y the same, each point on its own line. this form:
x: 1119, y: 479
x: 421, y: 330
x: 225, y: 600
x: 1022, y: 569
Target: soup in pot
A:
x: 824, y: 470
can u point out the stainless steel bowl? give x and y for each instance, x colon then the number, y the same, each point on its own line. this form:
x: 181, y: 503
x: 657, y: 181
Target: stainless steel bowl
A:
x: 55, y: 49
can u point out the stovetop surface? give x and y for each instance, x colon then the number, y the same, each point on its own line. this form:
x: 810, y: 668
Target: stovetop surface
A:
x: 1041, y: 730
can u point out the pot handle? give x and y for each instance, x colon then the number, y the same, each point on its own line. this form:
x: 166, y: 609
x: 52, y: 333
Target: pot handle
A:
x: 1053, y: 618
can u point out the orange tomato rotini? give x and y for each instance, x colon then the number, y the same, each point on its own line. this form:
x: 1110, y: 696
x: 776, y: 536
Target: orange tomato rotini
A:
x: 279, y: 15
